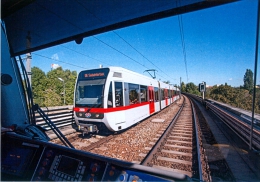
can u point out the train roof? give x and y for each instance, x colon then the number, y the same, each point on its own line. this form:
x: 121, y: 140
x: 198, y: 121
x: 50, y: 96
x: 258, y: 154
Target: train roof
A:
x: 124, y: 70
x: 138, y: 75
x: 114, y: 68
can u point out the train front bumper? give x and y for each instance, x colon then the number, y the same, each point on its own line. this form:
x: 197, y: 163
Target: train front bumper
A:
x: 88, y: 128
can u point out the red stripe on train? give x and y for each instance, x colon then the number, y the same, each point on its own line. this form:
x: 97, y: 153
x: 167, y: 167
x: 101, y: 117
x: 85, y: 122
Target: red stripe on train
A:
x: 107, y: 110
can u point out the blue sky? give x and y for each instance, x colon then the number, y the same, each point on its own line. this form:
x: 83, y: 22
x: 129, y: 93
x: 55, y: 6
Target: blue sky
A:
x: 219, y: 44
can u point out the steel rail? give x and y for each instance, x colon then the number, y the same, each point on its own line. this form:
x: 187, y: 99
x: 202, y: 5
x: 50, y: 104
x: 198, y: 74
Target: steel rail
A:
x: 154, y: 150
x: 239, y: 127
x: 197, y: 141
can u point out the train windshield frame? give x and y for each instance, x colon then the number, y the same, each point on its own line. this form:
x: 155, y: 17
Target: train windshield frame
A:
x: 89, y: 91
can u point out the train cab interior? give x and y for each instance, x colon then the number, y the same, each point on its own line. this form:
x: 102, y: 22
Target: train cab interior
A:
x: 31, y: 25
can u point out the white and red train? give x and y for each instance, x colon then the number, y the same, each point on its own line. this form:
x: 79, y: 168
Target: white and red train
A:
x: 115, y: 98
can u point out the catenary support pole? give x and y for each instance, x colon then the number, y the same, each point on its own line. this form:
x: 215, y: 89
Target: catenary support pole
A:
x: 255, y: 73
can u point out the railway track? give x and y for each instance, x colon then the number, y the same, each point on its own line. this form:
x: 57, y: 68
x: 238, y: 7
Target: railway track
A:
x: 213, y: 163
x: 241, y: 128
x: 238, y: 126
x: 134, y: 144
x: 135, y: 138
x: 178, y: 144
x: 158, y: 141
x: 174, y: 149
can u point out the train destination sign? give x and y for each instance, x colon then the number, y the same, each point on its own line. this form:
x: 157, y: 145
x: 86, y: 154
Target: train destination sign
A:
x: 94, y: 74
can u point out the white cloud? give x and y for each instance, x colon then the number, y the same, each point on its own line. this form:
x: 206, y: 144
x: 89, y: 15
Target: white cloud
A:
x: 230, y: 79
x: 55, y: 56
x: 54, y: 66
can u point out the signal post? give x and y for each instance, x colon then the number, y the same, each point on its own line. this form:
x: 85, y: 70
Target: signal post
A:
x: 202, y: 88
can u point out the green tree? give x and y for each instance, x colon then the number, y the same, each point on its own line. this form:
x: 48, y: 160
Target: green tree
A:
x: 237, y: 97
x: 257, y: 104
x: 39, y: 81
x: 192, y: 88
x: 222, y: 93
x: 183, y: 87
x: 248, y: 80
x: 57, y: 86
x: 48, y: 90
x: 51, y: 98
x: 70, y: 85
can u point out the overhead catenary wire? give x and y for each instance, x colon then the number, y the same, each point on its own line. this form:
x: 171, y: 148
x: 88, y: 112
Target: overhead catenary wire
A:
x: 183, y: 43
x: 81, y: 28
x: 124, y: 41
x: 85, y: 55
x: 101, y: 41
x: 119, y: 51
x: 124, y: 54
x: 58, y: 60
x: 140, y: 53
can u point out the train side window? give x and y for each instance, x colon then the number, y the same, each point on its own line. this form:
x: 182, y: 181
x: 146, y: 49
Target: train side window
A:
x: 133, y: 93
x: 110, y: 96
x: 118, y: 94
x: 143, y: 93
x: 162, y: 94
x: 156, y: 94
x: 169, y: 93
x: 126, y: 95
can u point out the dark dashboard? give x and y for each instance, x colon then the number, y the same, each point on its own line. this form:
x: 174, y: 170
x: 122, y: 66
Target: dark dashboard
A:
x: 23, y: 159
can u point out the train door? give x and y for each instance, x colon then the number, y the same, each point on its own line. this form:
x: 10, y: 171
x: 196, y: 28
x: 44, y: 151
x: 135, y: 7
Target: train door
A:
x: 151, y: 99
x: 166, y: 96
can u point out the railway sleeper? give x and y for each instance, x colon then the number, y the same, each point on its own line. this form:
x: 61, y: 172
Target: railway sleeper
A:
x: 177, y: 146
x: 173, y: 170
x: 181, y: 130
x: 174, y: 164
x: 180, y: 141
x: 183, y: 125
x: 174, y: 156
x: 173, y: 134
x: 176, y: 152
x: 183, y: 138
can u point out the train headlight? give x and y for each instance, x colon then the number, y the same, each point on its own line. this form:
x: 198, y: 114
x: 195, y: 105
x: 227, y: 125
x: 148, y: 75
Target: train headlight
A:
x: 80, y: 114
x: 98, y: 115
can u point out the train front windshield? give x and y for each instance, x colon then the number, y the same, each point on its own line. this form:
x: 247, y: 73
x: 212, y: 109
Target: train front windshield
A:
x: 89, y: 93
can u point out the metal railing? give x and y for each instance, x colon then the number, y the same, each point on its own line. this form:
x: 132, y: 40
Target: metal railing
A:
x: 59, y: 115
